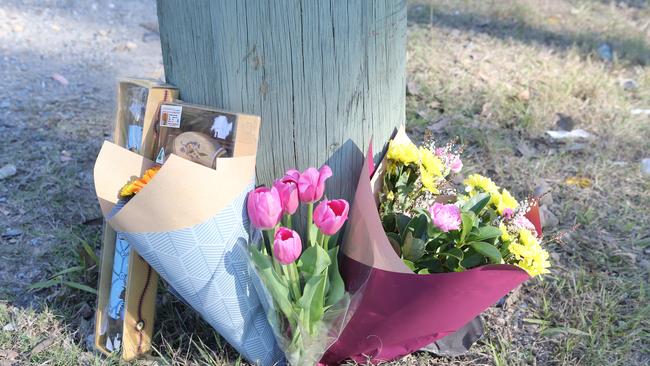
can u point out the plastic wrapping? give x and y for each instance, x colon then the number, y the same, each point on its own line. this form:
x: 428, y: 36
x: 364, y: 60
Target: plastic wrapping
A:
x: 397, y: 311
x: 193, y: 132
x: 305, y: 347
x: 189, y: 223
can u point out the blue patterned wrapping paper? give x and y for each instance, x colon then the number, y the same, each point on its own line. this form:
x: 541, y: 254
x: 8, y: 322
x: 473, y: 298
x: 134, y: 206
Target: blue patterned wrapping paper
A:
x: 208, y: 265
x: 118, y: 280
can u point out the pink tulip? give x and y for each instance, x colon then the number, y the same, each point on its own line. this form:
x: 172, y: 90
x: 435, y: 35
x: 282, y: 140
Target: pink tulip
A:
x: 264, y: 207
x: 288, y: 189
x: 287, y: 245
x: 311, y: 184
x: 329, y: 216
x: 445, y: 217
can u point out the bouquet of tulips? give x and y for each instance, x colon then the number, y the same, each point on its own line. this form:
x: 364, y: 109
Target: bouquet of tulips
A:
x: 300, y: 273
x: 435, y: 228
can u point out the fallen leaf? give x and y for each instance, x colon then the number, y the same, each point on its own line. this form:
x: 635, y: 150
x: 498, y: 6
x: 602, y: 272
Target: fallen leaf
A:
x: 525, y: 150
x: 7, y: 171
x: 42, y: 345
x: 574, y: 134
x: 524, y: 95
x: 8, y: 355
x: 582, y: 182
x: 439, y: 125
x: 60, y: 78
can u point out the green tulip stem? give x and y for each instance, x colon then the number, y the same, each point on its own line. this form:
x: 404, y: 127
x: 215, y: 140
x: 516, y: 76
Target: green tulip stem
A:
x: 295, y: 280
x: 287, y: 221
x: 310, y: 222
x: 325, y: 241
x: 270, y: 237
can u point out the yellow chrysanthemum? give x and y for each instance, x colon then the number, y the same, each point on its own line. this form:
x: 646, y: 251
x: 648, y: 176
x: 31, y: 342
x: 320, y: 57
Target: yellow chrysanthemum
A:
x: 505, y: 236
x: 431, y: 163
x: 506, y: 201
x: 136, y: 185
x: 428, y: 181
x: 532, y: 257
x: 476, y: 182
x: 403, y: 153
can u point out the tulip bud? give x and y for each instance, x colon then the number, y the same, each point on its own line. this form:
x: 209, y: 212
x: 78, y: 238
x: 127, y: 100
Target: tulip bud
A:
x: 288, y: 189
x: 311, y: 184
x: 329, y: 216
x: 264, y: 207
x: 287, y: 246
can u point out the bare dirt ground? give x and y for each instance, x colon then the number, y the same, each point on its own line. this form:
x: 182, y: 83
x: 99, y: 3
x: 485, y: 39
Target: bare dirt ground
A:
x: 497, y: 74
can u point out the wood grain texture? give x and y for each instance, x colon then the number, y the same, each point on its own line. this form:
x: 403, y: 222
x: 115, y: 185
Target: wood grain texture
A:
x: 324, y: 75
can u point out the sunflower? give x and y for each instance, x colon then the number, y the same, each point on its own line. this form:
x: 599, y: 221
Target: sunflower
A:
x: 135, y: 185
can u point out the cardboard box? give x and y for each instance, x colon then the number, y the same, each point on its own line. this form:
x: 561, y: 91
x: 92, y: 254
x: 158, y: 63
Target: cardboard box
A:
x: 142, y: 281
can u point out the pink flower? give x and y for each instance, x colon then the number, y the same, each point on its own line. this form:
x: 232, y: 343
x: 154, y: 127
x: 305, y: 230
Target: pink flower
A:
x: 287, y: 245
x: 455, y: 164
x: 311, y: 183
x: 445, y: 217
x: 523, y: 223
x: 439, y: 152
x: 508, y: 212
x: 288, y: 189
x: 264, y: 207
x: 329, y: 216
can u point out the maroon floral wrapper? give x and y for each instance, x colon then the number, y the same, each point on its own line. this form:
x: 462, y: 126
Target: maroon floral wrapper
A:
x: 396, y: 311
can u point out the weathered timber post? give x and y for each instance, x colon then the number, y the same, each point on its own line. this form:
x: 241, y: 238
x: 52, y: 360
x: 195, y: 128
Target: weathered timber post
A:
x: 319, y: 72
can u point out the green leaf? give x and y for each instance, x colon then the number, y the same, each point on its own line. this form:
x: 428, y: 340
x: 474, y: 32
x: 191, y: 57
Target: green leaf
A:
x: 418, y: 226
x: 389, y: 222
x: 337, y: 287
x: 313, y: 261
x: 45, y: 284
x: 413, y: 248
x: 275, y: 284
x: 486, y: 233
x: 313, y: 300
x: 423, y: 271
x: 477, y: 203
x: 313, y: 233
x: 69, y: 270
x: 395, y: 240
x: 468, y: 219
x: 487, y: 250
x: 473, y: 260
x: 409, y: 264
x: 402, y: 222
x: 563, y: 330
x: 453, y: 264
x: 89, y: 250
x: 80, y: 286
x: 454, y: 252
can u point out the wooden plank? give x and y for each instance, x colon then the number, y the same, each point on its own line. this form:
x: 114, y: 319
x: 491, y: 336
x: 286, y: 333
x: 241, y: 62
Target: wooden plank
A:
x: 322, y: 74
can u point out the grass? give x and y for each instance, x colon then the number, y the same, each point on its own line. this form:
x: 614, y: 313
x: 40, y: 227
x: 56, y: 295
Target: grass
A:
x: 495, y: 74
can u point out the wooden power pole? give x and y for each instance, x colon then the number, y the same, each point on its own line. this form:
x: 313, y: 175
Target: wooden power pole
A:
x: 321, y: 73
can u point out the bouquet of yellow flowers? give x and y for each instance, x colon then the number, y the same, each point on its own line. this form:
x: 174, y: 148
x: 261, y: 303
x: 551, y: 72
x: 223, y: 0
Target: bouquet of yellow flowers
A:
x: 435, y: 227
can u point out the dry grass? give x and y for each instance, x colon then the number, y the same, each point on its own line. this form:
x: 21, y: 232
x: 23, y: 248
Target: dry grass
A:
x: 495, y: 74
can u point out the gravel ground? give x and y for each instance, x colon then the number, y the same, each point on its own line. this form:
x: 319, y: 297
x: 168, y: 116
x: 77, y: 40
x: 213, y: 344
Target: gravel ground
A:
x: 59, y: 62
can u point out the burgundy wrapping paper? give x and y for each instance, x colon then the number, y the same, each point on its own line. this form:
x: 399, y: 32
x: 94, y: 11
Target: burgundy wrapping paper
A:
x: 395, y: 311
